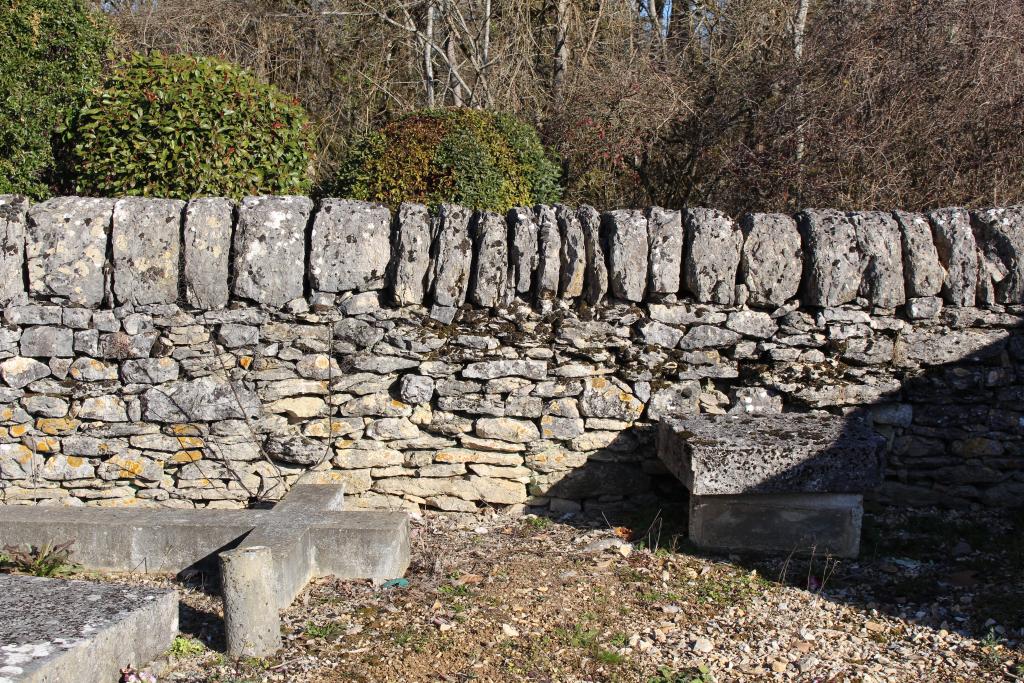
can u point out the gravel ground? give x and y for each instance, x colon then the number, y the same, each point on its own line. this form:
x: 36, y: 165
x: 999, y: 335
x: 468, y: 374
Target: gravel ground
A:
x: 935, y: 596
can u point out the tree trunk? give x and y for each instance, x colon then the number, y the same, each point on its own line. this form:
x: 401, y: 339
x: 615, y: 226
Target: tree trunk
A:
x: 561, y: 51
x: 428, y: 55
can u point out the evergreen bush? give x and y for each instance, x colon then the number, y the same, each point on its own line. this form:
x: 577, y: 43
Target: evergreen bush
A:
x: 479, y: 159
x: 184, y: 126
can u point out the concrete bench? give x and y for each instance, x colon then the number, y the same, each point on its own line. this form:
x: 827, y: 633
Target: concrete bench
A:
x: 774, y: 483
x: 266, y: 556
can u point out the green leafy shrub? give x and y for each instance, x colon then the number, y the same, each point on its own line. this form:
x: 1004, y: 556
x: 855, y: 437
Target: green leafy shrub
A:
x: 183, y: 126
x: 51, y: 53
x: 479, y: 159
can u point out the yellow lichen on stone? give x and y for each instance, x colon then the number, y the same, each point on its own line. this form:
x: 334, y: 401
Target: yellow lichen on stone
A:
x: 184, y: 457
x: 56, y: 425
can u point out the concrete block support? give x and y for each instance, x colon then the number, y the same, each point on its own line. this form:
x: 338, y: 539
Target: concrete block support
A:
x: 251, y: 622
x: 803, y: 523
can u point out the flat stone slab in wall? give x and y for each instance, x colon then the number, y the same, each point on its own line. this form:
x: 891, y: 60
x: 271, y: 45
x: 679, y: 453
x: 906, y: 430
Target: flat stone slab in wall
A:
x: 786, y: 453
x: 61, y: 631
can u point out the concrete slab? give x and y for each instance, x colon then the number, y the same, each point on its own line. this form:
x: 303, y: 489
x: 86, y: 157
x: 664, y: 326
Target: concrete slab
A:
x: 784, y: 453
x: 58, y: 631
x: 819, y: 523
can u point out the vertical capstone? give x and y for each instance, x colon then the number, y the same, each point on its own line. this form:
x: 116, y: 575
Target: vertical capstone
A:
x: 269, y: 243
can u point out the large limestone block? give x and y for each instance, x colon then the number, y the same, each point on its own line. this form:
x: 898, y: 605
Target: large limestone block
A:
x: 958, y: 254
x: 412, y: 254
x: 922, y: 271
x: 549, y: 243
x: 946, y: 347
x: 574, y: 252
x: 454, y: 257
x: 350, y: 246
x: 665, y: 243
x: 269, y: 245
x: 523, y: 257
x: 206, y: 399
x: 714, y: 243
x: 625, y: 234
x: 1000, y: 237
x: 881, y: 253
x: 490, y: 267
x: 66, y: 248
x: 146, y: 247
x: 596, y: 280
x: 13, y: 216
x: 772, y: 260
x: 782, y: 453
x: 209, y: 222
x: 832, y: 263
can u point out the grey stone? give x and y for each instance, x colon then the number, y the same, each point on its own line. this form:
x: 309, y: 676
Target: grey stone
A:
x: 832, y: 262
x: 665, y: 242
x: 659, y: 334
x: 66, y: 248
x: 121, y: 345
x: 416, y: 389
x: 531, y: 369
x: 923, y: 307
x: 146, y: 239
x: 45, y: 342
x: 574, y: 253
x: 921, y: 267
x: 268, y: 243
x: 596, y: 280
x: 608, y: 398
x: 771, y: 262
x: 880, y: 244
x: 757, y: 324
x: 678, y: 399
x: 954, y: 241
x: 149, y: 370
x: 206, y: 399
x: 755, y: 401
x: 784, y: 453
x: 33, y: 315
x: 350, y: 246
x: 506, y: 429
x: 490, y: 267
x: 454, y: 257
x: 45, y: 406
x: 1000, y: 237
x: 523, y: 257
x: 560, y: 428
x: 359, y: 333
x: 412, y: 254
x: 708, y: 336
x: 207, y: 245
x: 19, y: 372
x: 13, y: 217
x: 713, y: 246
x: 81, y: 631
x: 941, y: 347
x: 76, y: 318
x: 103, y: 409
x: 92, y: 370
x: 359, y: 304
x: 625, y: 235
x: 233, y: 336
x: 549, y: 259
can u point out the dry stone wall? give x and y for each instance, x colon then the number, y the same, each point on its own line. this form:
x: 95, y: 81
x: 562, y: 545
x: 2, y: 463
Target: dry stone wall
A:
x: 158, y: 352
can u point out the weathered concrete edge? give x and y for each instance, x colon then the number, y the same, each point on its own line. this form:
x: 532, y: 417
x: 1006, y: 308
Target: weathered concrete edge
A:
x: 143, y: 636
